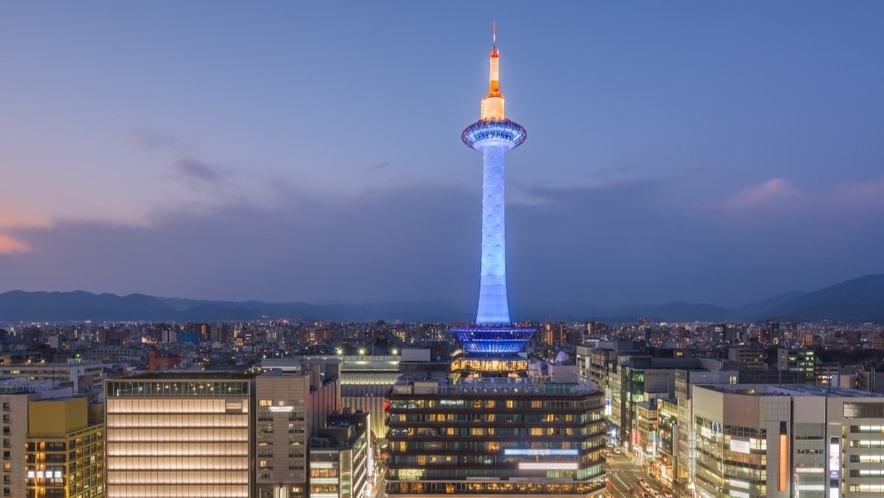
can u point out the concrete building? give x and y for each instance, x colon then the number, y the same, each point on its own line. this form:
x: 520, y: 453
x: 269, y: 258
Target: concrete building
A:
x: 85, y: 377
x: 218, y: 434
x: 291, y: 407
x: 64, y: 450
x: 802, y: 361
x: 501, y: 436
x: 365, y: 379
x: 341, y: 461
x: 786, y: 441
x: 750, y: 358
x: 180, y: 435
x: 16, y: 394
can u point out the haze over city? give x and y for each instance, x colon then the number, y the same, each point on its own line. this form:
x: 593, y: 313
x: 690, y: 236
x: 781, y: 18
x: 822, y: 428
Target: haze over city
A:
x: 310, y: 152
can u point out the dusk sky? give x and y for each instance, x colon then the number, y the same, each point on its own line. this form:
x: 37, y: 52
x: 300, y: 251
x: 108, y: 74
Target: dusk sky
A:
x: 718, y: 152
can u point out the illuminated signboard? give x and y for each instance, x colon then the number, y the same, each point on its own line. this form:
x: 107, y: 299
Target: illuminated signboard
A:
x: 834, y: 462
x: 547, y: 465
x: 740, y: 446
x: 538, y: 452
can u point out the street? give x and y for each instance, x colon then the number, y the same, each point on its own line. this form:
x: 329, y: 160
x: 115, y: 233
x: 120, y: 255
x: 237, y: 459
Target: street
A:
x: 624, y: 476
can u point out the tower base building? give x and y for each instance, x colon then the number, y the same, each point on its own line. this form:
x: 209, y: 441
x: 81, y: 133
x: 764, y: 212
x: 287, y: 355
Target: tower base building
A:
x: 503, y: 436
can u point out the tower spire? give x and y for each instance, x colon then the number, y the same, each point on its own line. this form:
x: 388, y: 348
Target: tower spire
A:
x: 493, y: 103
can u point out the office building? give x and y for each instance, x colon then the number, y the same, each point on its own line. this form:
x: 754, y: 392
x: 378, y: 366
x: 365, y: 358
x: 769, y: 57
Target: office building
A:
x: 16, y: 393
x: 85, y: 377
x: 773, y: 441
x: 214, y: 434
x: 64, y: 450
x: 341, y: 462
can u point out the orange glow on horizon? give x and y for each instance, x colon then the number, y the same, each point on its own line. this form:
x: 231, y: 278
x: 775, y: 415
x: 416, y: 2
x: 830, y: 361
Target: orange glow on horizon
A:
x: 8, y: 245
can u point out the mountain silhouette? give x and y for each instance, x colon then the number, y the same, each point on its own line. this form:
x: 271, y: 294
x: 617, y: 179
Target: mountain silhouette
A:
x: 857, y: 300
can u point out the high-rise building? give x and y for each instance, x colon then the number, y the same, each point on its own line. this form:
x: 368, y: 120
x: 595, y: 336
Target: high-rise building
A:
x: 341, y: 463
x: 214, y: 434
x: 490, y: 428
x: 180, y: 435
x: 64, y: 450
x: 291, y: 407
x: 785, y: 441
x: 16, y: 395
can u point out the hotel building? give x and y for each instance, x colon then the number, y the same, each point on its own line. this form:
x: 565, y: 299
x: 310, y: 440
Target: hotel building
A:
x: 64, y: 450
x: 16, y: 395
x: 503, y: 436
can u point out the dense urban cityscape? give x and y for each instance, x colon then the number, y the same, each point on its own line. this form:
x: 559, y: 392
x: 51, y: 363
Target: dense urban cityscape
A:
x: 320, y: 408
x: 779, y: 398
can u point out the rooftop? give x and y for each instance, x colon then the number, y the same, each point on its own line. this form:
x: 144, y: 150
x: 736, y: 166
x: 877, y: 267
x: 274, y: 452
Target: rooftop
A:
x: 494, y: 386
x: 791, y: 390
x: 186, y: 375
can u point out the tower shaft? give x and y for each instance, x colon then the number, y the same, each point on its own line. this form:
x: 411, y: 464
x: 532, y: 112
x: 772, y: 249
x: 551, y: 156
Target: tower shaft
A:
x: 493, y: 306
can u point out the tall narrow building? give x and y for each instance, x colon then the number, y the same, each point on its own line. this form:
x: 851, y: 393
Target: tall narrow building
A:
x: 489, y: 428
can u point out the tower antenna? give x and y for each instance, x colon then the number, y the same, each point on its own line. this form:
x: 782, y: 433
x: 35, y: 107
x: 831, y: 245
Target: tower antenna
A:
x: 493, y: 33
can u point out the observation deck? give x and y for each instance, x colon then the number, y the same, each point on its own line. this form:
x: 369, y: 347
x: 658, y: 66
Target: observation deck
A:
x: 500, y: 132
x: 488, y: 339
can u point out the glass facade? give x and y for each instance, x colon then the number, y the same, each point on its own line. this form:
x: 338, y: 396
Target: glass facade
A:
x: 532, y: 439
x: 731, y: 460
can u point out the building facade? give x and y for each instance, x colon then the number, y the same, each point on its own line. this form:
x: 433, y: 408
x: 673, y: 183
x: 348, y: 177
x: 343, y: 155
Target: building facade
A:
x: 215, y: 434
x: 16, y: 393
x: 756, y: 441
x: 180, y: 435
x: 495, y: 436
x: 291, y: 407
x: 341, y: 462
x: 64, y: 450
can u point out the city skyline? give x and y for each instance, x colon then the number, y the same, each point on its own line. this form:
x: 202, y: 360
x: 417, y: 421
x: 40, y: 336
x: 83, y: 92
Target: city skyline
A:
x: 693, y: 152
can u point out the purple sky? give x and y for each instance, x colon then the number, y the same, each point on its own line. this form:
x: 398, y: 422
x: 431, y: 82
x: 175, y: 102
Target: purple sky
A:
x: 310, y: 151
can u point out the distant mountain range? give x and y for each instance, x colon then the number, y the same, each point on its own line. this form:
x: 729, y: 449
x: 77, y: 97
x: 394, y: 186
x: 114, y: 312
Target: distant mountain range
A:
x: 857, y: 300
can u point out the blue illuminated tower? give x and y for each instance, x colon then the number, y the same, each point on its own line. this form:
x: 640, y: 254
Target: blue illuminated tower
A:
x: 493, y: 135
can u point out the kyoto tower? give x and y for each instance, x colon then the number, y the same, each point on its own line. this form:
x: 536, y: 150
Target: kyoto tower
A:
x: 493, y: 135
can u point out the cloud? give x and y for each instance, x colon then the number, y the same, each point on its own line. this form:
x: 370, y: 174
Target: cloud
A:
x: 8, y: 245
x: 773, y: 191
x: 12, y: 218
x: 199, y: 175
x: 194, y: 169
x: 374, y: 168
x: 867, y: 194
x: 611, y: 243
x: 151, y: 140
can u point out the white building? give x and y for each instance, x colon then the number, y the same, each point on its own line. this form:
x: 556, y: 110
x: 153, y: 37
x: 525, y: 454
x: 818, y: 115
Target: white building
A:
x: 755, y: 441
